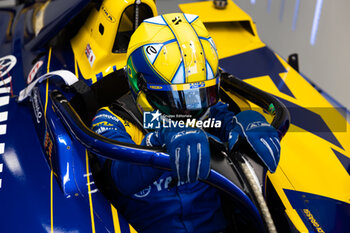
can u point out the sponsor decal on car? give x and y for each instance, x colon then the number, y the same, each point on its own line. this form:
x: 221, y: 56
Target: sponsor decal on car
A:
x: 6, y: 65
x: 90, y: 55
x: 34, y: 71
x: 37, y: 105
x: 108, y: 15
x: 313, y: 221
x: 48, y: 144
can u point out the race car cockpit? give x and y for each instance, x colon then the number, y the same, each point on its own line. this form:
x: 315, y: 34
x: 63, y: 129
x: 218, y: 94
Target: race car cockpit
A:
x: 227, y: 171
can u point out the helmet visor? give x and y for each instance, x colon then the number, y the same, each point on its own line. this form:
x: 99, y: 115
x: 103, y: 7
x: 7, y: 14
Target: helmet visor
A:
x: 190, y: 99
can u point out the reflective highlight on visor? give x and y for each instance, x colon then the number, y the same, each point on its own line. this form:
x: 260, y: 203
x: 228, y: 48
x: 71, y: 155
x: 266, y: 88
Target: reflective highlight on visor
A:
x: 192, y: 101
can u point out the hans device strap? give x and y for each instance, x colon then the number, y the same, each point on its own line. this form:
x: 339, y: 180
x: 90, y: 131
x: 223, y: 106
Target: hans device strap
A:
x: 130, y: 113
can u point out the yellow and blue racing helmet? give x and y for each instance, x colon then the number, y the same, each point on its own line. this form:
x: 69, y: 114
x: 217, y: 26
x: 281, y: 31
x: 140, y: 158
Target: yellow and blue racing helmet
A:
x: 172, y: 65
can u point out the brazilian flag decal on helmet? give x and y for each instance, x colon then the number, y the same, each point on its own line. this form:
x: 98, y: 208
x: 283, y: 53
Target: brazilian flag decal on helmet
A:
x: 132, y: 75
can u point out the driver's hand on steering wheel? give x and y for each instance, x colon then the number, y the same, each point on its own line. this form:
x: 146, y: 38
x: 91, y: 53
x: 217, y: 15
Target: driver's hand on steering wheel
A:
x: 261, y: 136
x: 188, y: 149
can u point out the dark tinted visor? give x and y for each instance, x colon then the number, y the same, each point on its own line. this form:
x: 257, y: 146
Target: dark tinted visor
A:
x: 184, y: 99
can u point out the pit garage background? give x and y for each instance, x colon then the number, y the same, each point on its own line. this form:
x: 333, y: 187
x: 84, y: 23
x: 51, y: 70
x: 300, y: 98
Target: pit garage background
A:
x: 318, y: 30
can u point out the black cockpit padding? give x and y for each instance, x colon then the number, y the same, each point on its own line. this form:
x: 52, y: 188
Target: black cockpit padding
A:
x: 84, y: 102
x: 89, y: 99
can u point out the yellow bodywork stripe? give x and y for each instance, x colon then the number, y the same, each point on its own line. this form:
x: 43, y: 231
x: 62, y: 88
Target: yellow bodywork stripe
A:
x: 115, y: 219
x: 89, y: 191
x: 51, y: 176
x: 132, y: 230
x: 47, y: 82
x: 94, y: 79
x: 76, y: 67
x: 49, y: 60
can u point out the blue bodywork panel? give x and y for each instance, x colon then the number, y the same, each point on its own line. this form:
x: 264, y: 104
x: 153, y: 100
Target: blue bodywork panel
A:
x: 29, y: 191
x: 27, y: 176
x: 332, y: 215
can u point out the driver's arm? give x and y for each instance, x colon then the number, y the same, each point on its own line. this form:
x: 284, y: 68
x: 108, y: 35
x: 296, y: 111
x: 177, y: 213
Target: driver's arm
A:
x: 129, y: 178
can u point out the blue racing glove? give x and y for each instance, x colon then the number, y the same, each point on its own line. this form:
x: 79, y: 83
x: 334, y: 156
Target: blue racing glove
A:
x: 261, y: 136
x: 188, y: 149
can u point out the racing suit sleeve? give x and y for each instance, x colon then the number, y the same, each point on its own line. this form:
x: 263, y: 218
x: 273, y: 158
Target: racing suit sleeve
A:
x: 129, y: 178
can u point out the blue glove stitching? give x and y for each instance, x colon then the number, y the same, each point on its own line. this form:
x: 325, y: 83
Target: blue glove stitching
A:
x: 199, y: 149
x: 278, y: 142
x: 269, y: 148
x: 188, y: 163
x: 274, y: 144
x: 181, y: 147
x: 206, y: 136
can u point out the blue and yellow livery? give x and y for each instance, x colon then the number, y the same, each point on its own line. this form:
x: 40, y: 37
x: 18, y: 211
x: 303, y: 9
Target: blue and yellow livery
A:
x: 312, y: 178
x: 68, y: 57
